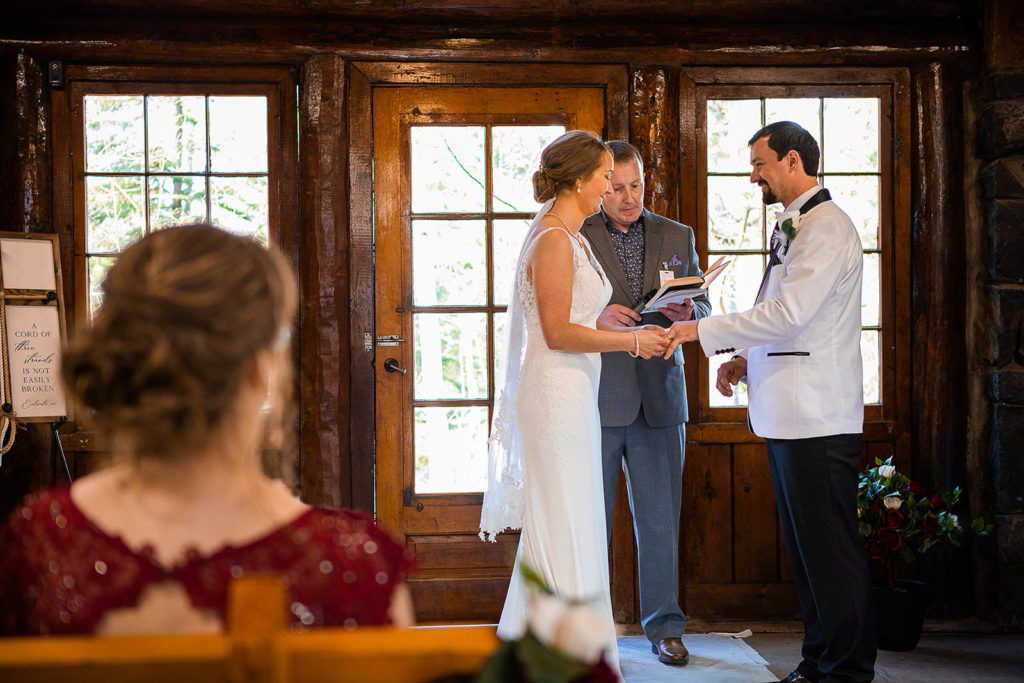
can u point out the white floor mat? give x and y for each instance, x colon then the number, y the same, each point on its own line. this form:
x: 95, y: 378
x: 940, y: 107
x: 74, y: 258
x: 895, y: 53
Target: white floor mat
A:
x: 712, y: 658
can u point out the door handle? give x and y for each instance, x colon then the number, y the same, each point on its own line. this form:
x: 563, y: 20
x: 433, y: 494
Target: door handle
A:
x: 391, y: 365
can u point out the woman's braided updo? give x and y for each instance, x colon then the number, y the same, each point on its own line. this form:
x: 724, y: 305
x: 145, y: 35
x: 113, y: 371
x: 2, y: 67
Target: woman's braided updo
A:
x: 184, y: 312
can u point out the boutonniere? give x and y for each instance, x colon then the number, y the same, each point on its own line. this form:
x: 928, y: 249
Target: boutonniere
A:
x: 788, y: 221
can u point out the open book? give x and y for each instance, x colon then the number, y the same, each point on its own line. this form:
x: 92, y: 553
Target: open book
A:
x: 682, y: 288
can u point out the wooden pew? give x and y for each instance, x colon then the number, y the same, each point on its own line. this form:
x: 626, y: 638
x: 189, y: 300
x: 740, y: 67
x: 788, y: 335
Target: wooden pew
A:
x: 258, y: 647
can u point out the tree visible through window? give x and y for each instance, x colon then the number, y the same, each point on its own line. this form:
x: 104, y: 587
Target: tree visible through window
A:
x: 739, y: 225
x: 472, y: 201
x: 158, y: 160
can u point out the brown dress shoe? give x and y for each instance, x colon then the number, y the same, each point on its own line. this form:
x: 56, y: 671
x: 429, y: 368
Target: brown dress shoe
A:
x: 671, y: 651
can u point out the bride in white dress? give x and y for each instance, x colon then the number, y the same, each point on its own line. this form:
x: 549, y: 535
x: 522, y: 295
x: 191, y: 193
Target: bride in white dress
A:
x: 545, y: 445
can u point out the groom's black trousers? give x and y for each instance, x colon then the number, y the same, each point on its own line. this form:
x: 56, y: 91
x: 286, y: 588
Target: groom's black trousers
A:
x: 816, y: 491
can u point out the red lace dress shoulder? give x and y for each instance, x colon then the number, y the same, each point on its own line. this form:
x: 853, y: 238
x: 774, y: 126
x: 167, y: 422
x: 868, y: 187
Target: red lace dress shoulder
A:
x: 59, y: 573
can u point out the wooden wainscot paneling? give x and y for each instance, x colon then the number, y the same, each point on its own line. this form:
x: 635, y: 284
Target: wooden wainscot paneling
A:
x: 755, y: 526
x: 707, y: 515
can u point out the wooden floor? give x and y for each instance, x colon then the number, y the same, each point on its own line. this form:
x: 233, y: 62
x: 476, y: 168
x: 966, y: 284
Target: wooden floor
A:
x: 964, y: 650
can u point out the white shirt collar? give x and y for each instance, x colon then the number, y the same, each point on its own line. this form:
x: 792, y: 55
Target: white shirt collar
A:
x: 795, y: 205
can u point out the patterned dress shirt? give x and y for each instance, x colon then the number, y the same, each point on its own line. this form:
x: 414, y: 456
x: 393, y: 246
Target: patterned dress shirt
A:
x: 629, y: 247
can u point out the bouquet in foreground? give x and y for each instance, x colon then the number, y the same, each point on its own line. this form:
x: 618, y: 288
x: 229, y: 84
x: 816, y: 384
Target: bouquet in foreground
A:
x: 561, y: 643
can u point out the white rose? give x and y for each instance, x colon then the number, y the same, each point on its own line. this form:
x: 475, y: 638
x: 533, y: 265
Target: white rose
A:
x: 892, y: 501
x: 956, y: 521
x: 886, y: 471
x: 546, y: 611
x: 582, y: 634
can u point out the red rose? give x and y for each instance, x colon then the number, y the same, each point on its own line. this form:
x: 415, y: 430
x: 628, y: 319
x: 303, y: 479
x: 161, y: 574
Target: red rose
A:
x: 889, y: 539
x: 936, y: 501
x: 892, y: 519
x: 929, y: 524
x: 874, y: 550
x: 916, y: 489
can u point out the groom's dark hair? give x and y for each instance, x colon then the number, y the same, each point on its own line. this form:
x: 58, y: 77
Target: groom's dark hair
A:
x: 786, y: 135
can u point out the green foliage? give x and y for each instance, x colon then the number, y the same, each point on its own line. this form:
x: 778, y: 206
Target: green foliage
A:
x: 899, y: 520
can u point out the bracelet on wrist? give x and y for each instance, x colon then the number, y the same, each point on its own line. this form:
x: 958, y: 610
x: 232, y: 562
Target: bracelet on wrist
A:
x: 636, y: 338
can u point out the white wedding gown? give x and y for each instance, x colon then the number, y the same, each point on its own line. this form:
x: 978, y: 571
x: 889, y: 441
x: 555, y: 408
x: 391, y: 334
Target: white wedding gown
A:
x: 559, y: 428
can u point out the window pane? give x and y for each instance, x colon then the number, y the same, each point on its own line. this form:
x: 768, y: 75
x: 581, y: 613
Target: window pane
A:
x: 516, y: 155
x: 804, y: 111
x: 736, y: 288
x: 500, y: 349
x: 872, y: 285
x: 734, y: 214
x: 448, y: 263
x: 240, y: 205
x: 176, y: 199
x: 96, y: 268
x: 730, y: 124
x: 451, y: 449
x: 238, y: 134
x: 450, y: 354
x: 858, y: 197
x: 114, y: 135
x: 871, y: 357
x: 116, y: 215
x: 507, y: 241
x: 851, y: 134
x: 739, y: 392
x: 177, y: 133
x: 447, y: 168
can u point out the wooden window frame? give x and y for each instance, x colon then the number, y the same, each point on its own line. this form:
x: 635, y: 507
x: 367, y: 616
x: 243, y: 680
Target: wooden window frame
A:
x: 697, y: 85
x: 277, y: 84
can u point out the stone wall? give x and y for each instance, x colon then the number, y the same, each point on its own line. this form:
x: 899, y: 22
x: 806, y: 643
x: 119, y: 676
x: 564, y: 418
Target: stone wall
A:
x: 998, y: 330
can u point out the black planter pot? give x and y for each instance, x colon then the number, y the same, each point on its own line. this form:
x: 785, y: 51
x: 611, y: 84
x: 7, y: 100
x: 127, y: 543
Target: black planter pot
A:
x: 900, y: 614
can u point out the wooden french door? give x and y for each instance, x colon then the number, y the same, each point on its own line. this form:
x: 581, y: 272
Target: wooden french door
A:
x: 452, y: 202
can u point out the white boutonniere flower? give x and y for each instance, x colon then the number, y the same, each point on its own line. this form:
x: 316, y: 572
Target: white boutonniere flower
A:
x: 788, y: 221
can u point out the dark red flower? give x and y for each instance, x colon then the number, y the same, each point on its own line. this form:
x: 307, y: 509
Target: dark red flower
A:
x: 929, y: 524
x: 874, y: 550
x: 890, y: 539
x: 892, y: 519
x: 916, y: 489
x: 936, y: 501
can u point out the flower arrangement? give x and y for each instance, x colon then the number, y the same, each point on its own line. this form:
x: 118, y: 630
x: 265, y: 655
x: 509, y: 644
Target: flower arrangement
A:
x: 561, y: 643
x: 900, y: 521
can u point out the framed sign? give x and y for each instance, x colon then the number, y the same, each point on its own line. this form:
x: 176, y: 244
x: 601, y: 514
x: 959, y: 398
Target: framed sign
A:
x: 31, y: 327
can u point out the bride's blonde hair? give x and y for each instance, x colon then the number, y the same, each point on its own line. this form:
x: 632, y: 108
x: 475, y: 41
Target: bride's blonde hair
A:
x: 572, y: 156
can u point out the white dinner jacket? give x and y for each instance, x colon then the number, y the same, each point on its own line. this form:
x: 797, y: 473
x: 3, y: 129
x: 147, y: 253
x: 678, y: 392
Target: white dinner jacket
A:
x: 802, y: 342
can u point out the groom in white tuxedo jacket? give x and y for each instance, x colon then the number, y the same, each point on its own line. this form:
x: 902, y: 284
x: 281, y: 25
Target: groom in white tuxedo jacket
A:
x: 798, y: 349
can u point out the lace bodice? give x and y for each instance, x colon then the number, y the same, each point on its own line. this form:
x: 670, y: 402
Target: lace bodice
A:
x: 591, y: 289
x: 59, y: 573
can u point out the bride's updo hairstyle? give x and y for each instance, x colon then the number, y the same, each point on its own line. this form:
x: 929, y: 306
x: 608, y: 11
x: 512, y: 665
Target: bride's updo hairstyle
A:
x: 184, y: 312
x: 571, y: 157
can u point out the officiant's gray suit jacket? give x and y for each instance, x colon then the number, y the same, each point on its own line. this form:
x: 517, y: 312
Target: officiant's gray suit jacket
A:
x: 656, y: 384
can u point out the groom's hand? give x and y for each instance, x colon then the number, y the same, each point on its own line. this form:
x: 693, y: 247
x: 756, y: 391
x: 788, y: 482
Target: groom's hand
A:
x: 729, y: 374
x: 617, y: 315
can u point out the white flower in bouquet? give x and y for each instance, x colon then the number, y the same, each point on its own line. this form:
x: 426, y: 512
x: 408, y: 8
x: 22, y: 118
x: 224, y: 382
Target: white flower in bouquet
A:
x: 893, y: 501
x: 886, y: 471
x: 575, y: 629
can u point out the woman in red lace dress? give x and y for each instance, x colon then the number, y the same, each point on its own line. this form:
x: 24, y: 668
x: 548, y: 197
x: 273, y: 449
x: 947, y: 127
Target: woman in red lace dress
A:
x: 186, y: 353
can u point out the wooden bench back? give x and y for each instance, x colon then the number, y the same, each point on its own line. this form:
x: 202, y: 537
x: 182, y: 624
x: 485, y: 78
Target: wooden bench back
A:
x: 258, y: 647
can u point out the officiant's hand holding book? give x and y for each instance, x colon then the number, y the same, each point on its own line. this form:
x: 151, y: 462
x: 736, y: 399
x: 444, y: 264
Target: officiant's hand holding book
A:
x: 678, y: 290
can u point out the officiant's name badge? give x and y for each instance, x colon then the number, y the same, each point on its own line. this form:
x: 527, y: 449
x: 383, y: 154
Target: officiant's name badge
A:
x: 664, y: 276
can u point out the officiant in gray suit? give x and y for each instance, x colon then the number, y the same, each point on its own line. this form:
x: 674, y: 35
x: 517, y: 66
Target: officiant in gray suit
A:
x: 643, y: 402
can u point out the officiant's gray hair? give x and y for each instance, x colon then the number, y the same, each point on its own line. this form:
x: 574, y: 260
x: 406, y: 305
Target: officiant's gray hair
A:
x: 570, y: 157
x: 623, y: 152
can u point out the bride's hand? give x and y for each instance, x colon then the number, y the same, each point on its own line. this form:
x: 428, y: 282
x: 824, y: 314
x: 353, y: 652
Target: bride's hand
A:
x: 652, y: 341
